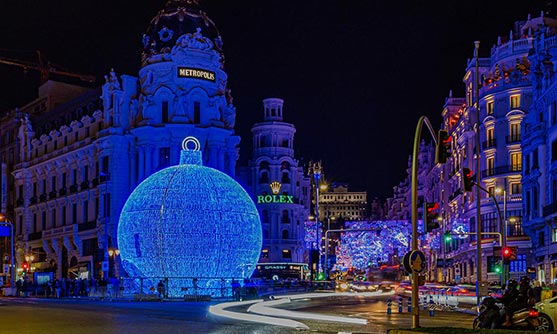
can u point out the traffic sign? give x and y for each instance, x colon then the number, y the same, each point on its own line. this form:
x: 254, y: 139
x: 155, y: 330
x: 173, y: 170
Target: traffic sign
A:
x: 417, y: 261
x: 406, y: 262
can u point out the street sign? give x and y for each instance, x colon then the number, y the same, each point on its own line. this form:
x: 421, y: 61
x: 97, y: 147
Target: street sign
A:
x: 4, y: 230
x: 406, y: 262
x: 417, y: 261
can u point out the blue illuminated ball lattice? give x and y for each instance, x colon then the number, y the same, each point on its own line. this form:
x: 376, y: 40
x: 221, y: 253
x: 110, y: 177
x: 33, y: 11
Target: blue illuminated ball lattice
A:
x: 191, y: 224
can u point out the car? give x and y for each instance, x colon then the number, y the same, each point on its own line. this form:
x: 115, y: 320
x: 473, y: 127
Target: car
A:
x: 462, y: 290
x: 547, y: 314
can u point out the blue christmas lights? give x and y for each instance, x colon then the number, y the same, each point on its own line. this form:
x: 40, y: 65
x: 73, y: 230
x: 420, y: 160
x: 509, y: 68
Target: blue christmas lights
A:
x: 192, y: 224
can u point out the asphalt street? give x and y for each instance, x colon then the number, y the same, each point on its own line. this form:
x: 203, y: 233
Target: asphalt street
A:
x: 69, y: 316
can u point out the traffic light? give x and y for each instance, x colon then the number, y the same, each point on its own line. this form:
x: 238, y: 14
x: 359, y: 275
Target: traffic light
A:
x: 497, y: 268
x: 443, y: 147
x: 25, y: 266
x: 431, y: 216
x: 506, y: 252
x: 509, y: 254
x: 467, y: 180
x: 447, y: 236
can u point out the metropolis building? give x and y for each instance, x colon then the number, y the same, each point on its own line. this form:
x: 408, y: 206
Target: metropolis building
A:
x: 75, y: 158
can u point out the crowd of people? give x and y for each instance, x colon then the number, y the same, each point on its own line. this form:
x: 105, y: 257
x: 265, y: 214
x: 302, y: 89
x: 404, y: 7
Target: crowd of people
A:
x: 69, y: 288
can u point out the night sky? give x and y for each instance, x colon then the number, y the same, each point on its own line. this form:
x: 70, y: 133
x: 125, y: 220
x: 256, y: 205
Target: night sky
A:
x: 355, y: 75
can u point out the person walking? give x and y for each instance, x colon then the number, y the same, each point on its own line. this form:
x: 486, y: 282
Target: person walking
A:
x: 160, y: 290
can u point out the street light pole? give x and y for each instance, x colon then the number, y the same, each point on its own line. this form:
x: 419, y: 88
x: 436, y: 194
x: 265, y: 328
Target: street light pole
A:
x: 478, y: 179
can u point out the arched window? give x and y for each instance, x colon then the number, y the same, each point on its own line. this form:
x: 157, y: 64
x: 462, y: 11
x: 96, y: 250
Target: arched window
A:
x: 285, y: 234
x: 285, y: 219
x: 285, y: 177
x: 264, y: 177
x: 285, y: 165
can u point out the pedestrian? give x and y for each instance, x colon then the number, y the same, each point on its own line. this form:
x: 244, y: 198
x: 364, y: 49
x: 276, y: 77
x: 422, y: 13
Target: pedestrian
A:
x: 537, y: 291
x: 18, y: 287
x: 160, y: 290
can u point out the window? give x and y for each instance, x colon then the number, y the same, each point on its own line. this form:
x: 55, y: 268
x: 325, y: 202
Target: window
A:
x: 516, y: 188
x: 264, y: 253
x: 554, y: 150
x: 491, y: 191
x: 264, y: 177
x: 74, y: 213
x: 553, y: 112
x: 85, y: 212
x: 490, y: 166
x: 514, y: 131
x: 515, y: 101
x: 286, y: 254
x: 489, y: 107
x: 285, y: 219
x: 516, y: 161
x: 285, y: 234
x: 554, y: 236
x: 165, y: 111
x: 196, y: 112
x: 164, y: 157
x: 53, y: 218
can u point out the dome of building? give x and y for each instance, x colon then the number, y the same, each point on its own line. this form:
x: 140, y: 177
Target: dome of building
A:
x: 189, y: 222
x: 179, y: 17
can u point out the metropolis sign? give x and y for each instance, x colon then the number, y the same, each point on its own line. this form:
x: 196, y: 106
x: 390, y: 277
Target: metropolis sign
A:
x: 196, y: 73
x: 275, y: 198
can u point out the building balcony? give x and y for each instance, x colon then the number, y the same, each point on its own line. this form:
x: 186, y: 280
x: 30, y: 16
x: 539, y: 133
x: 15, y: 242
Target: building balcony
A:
x: 84, y: 185
x: 513, y: 139
x: 491, y: 143
x: 52, y: 194
x: 87, y: 226
x: 63, y: 191
x: 33, y: 200
x: 95, y: 182
x: 35, y: 236
x: 549, y: 209
x: 43, y: 197
x: 19, y: 202
x: 501, y: 170
x: 73, y: 188
x: 105, y: 176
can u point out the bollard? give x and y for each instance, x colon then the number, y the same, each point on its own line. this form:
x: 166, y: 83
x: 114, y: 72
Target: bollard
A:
x: 409, y: 304
x: 389, y: 306
x: 399, y: 304
x: 431, y: 308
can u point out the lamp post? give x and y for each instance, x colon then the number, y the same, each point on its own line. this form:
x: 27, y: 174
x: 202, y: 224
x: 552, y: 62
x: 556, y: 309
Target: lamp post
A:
x: 505, y: 269
x: 315, y: 168
x: 6, y: 222
x: 29, y: 258
x: 112, y: 254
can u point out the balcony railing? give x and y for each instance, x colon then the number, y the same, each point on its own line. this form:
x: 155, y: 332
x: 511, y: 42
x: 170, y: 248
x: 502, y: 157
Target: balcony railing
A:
x: 43, y: 197
x: 63, y: 191
x: 33, y: 200
x: 19, y: 202
x: 35, y: 236
x: 87, y: 226
x: 104, y: 177
x: 489, y: 143
x: 95, y: 182
x: 73, y: 188
x: 501, y: 170
x: 549, y: 209
x: 512, y: 139
x: 52, y: 194
x: 84, y: 185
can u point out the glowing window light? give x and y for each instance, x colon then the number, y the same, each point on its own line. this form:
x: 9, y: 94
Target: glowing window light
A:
x: 192, y: 224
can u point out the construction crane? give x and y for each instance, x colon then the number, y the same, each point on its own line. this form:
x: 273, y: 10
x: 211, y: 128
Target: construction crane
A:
x: 45, y: 68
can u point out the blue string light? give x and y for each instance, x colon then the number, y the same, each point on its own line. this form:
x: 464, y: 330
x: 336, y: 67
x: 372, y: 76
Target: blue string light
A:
x: 189, y: 221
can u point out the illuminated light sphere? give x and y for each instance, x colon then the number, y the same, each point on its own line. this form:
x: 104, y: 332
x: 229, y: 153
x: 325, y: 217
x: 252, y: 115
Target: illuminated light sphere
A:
x: 191, y: 224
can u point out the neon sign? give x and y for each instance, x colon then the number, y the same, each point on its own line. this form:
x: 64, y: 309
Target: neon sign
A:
x: 196, y: 73
x: 275, y: 198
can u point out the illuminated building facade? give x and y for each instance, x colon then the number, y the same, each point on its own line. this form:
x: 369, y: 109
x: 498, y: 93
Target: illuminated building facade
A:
x: 339, y: 203
x: 279, y: 187
x: 77, y: 160
x: 539, y: 145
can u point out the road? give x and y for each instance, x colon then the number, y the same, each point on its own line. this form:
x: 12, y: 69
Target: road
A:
x: 69, y: 316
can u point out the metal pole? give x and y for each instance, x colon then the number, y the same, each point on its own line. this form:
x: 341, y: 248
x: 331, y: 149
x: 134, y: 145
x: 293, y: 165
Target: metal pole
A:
x: 415, y: 153
x: 504, y: 235
x: 12, y: 264
x: 478, y: 179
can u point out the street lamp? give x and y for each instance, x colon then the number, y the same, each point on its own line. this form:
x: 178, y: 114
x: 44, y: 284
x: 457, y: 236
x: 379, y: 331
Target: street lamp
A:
x: 6, y: 222
x: 112, y: 254
x: 498, y: 191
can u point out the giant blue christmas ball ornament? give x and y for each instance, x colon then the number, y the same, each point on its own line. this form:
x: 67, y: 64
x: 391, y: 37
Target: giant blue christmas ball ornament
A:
x: 191, y: 224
